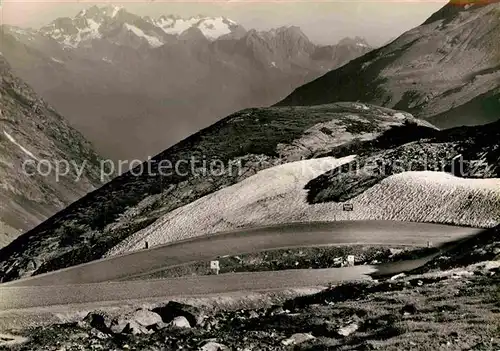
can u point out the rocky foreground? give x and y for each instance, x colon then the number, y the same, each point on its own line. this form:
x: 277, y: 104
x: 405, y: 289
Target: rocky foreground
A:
x: 452, y: 303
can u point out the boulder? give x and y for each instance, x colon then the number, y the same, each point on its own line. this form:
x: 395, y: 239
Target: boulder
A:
x: 135, y: 328
x: 173, y: 309
x: 297, y: 339
x: 348, y: 329
x: 253, y: 315
x: 180, y: 322
x: 140, y: 321
x: 214, y: 346
x: 146, y: 318
x: 99, y: 320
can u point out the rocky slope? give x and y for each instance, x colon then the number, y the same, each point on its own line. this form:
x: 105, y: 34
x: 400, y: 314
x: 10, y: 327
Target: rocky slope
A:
x: 445, y: 71
x: 242, y: 144
x: 34, y: 136
x: 108, y: 69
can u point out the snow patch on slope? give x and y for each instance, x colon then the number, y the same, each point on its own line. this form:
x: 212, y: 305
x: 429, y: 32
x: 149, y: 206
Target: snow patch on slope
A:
x: 91, y: 31
x: 176, y: 26
x: 56, y: 60
x: 116, y: 9
x: 153, y: 41
x: 26, y: 151
x: 277, y: 195
x: 280, y: 185
x: 214, y: 28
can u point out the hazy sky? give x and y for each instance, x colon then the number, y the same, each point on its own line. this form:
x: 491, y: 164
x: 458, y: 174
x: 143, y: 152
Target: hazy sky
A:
x: 323, y: 21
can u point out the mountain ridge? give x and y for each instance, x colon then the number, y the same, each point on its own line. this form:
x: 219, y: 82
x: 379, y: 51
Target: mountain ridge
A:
x: 432, y: 71
x: 97, y: 22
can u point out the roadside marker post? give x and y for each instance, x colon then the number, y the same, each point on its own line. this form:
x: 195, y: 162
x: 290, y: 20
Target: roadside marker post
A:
x: 348, y: 207
x: 214, y: 266
x: 460, y: 160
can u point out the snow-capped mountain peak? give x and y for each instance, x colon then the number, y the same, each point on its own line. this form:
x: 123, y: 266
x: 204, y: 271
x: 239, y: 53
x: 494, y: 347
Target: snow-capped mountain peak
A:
x: 95, y: 11
x: 71, y: 32
x: 97, y: 21
x: 211, y: 27
x: 86, y: 25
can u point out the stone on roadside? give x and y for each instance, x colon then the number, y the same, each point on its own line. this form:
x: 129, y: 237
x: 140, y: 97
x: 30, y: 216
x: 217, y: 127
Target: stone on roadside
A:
x: 135, y: 328
x: 137, y: 322
x: 253, y: 315
x: 395, y: 252
x: 348, y: 329
x: 214, y: 346
x: 97, y: 334
x: 398, y: 276
x: 146, y: 318
x: 275, y: 311
x: 297, y: 339
x: 180, y: 322
x: 99, y: 320
x: 173, y: 309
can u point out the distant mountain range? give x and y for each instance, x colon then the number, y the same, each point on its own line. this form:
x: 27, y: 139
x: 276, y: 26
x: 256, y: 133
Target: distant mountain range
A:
x: 114, y: 23
x: 154, y: 81
x: 446, y: 71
